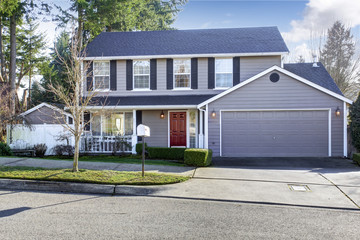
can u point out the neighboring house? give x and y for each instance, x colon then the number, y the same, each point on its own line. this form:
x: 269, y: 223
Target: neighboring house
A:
x: 46, y: 126
x: 223, y: 89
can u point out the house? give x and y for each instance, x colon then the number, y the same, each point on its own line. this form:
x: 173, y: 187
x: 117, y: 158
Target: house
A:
x: 45, y: 126
x: 223, y: 89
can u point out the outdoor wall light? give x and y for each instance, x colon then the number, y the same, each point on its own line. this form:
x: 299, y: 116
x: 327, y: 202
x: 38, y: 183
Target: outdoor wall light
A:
x: 213, y: 114
x: 162, y: 115
x: 337, y: 112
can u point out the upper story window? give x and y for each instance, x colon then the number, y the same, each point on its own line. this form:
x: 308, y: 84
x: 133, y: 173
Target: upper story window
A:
x: 101, y: 73
x: 142, y: 74
x: 182, y: 73
x: 223, y: 72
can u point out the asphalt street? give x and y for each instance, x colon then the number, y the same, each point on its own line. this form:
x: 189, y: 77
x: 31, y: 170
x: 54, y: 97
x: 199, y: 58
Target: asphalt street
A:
x: 35, y: 215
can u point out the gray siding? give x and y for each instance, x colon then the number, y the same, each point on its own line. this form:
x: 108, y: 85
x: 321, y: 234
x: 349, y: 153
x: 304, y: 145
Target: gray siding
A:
x: 45, y: 115
x: 250, y: 66
x: 287, y: 93
x: 158, y: 128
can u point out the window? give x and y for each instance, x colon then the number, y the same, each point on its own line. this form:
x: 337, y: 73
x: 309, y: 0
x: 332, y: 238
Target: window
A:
x: 142, y: 74
x: 223, y: 73
x: 112, y: 124
x: 101, y: 75
x: 182, y: 68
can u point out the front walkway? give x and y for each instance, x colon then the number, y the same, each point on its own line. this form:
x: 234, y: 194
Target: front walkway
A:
x: 33, y: 162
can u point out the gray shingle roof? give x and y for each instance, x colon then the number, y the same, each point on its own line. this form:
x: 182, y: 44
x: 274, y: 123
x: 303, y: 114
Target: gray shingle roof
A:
x: 150, y: 100
x: 317, y: 75
x: 175, y: 42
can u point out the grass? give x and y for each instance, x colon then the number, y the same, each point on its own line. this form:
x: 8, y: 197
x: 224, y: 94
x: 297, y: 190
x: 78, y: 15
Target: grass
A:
x: 90, y: 176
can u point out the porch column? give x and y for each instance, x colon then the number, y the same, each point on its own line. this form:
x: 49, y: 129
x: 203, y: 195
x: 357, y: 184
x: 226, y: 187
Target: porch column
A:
x: 201, y: 133
x: 206, y: 137
x: 134, y: 137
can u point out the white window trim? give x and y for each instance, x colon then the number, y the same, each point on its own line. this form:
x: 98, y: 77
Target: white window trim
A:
x: 102, y: 117
x: 215, y: 72
x: 93, y: 73
x: 141, y: 89
x: 174, y: 83
x: 279, y: 110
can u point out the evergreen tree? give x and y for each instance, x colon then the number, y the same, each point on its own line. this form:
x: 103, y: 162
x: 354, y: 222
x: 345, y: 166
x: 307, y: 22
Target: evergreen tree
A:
x: 355, y: 123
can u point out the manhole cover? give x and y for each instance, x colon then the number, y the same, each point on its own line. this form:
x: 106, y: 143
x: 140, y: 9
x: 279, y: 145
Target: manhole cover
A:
x: 299, y: 188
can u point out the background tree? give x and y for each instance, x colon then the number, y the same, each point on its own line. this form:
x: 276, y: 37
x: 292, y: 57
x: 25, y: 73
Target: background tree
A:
x: 355, y: 123
x: 337, y: 55
x: 300, y: 59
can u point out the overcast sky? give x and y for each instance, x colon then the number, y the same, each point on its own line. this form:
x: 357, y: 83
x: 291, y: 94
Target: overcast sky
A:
x: 296, y: 19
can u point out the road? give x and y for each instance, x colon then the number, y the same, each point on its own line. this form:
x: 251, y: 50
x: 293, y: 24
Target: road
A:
x: 35, y: 215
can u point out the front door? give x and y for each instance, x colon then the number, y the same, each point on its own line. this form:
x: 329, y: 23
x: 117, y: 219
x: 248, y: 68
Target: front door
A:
x: 178, y: 129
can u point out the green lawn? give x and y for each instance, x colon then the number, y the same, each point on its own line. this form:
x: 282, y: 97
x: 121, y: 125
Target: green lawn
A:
x: 132, y: 159
x: 90, y: 176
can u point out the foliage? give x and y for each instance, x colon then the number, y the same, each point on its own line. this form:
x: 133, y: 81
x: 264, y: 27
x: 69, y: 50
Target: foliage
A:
x: 356, y: 158
x: 138, y: 148
x: 40, y: 149
x: 63, y: 150
x: 355, y: 123
x: 90, y: 176
x: 120, y: 145
x: 337, y: 55
x: 197, y: 157
x: 5, y: 150
x: 166, y: 153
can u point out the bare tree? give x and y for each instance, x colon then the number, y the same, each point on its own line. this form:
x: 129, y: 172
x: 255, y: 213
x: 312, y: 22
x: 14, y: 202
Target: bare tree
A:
x: 75, y: 102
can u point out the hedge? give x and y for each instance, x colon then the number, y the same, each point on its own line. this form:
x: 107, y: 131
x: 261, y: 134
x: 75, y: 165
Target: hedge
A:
x: 356, y: 158
x: 138, y: 148
x: 5, y: 150
x: 198, y: 157
x: 166, y: 153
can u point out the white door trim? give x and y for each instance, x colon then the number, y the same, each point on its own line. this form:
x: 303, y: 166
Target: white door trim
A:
x: 279, y: 110
x: 187, y: 127
x: 345, y: 129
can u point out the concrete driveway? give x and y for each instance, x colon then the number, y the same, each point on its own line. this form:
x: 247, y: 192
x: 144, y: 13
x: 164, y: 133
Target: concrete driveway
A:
x: 304, y: 182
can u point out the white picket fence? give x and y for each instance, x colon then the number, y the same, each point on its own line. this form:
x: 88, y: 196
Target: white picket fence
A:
x: 24, y: 137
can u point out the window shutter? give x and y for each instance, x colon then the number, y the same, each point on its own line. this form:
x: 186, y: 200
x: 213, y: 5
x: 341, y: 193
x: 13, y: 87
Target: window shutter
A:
x: 153, y: 74
x: 129, y: 75
x: 211, y: 73
x: 138, y: 121
x: 113, y: 75
x: 236, y: 70
x: 89, y: 75
x: 194, y: 73
x: 87, y: 121
x: 169, y: 74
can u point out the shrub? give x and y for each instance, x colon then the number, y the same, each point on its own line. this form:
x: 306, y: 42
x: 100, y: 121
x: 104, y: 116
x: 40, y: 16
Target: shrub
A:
x: 40, y: 149
x: 138, y: 148
x: 356, y: 158
x: 197, y: 157
x: 61, y: 150
x: 355, y: 123
x: 166, y: 153
x: 5, y: 150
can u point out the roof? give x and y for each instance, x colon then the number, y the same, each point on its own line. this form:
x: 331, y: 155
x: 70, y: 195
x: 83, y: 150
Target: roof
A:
x: 284, y: 71
x: 46, y: 105
x: 187, y: 42
x: 138, y: 101
x: 317, y: 75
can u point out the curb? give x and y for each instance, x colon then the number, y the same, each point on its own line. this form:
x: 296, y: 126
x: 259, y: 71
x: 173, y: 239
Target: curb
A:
x: 71, y: 187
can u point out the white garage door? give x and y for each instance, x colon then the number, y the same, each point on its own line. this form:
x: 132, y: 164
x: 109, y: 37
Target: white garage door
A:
x: 274, y: 133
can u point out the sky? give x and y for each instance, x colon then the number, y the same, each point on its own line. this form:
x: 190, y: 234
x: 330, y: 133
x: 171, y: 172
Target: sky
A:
x: 297, y: 20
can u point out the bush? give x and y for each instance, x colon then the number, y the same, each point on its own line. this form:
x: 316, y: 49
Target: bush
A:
x: 138, y: 148
x: 166, y: 153
x: 355, y: 123
x: 40, y: 149
x: 61, y: 150
x: 198, y: 157
x: 5, y: 150
x: 356, y: 158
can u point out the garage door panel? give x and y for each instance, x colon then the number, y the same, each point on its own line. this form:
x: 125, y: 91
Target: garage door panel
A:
x: 275, y: 133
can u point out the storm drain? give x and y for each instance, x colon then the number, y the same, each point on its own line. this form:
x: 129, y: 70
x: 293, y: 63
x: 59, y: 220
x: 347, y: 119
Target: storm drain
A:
x: 299, y: 188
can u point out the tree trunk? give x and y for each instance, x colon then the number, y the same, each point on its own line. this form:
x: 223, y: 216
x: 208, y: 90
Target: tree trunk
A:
x: 80, y: 27
x: 13, y: 61
x: 2, y: 63
x: 76, y: 154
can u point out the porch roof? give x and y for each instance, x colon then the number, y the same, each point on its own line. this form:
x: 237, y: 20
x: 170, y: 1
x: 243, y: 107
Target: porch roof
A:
x: 137, y: 102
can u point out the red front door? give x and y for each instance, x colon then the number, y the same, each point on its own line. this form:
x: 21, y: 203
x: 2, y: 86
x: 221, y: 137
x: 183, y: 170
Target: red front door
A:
x: 177, y: 129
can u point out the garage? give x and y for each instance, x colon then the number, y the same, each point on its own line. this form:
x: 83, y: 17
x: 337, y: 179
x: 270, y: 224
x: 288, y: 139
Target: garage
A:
x: 275, y: 133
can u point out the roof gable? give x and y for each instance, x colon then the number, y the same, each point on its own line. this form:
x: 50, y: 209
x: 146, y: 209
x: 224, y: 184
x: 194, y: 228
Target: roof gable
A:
x: 187, y: 42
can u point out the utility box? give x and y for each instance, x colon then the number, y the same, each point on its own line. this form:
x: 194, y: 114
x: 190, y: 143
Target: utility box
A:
x: 143, y: 131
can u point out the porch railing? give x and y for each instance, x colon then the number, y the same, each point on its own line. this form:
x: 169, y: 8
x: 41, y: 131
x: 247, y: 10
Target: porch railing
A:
x: 106, y: 144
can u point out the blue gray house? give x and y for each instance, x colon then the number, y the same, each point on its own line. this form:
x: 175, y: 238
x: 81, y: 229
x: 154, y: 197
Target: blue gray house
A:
x: 223, y: 89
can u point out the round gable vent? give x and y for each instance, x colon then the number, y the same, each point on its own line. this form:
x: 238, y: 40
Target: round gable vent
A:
x: 274, y: 77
